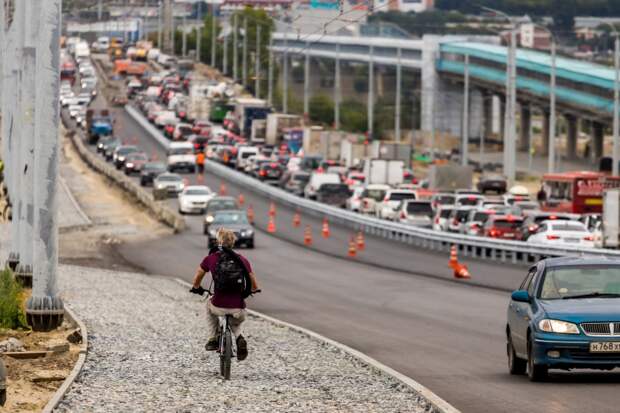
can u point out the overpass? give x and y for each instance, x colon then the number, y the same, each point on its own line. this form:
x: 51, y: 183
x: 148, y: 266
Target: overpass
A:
x: 584, y: 90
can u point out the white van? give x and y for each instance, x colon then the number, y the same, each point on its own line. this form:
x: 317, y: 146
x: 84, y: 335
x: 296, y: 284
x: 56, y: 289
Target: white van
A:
x: 243, y: 154
x: 316, y: 180
x: 181, y: 156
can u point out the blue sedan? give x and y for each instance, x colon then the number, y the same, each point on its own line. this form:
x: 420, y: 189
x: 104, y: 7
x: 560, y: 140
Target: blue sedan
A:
x: 565, y: 315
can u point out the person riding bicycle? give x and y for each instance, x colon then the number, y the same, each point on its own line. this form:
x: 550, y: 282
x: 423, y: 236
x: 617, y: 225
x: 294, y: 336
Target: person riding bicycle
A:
x: 234, y: 281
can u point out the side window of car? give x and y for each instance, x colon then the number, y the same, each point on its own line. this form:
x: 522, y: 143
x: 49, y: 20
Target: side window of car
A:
x: 526, y: 280
x: 532, y: 283
x: 543, y: 228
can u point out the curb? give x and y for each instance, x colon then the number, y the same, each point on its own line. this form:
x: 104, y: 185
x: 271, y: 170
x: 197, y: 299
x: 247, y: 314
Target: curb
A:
x: 66, y: 385
x: 437, y: 404
x: 74, y: 201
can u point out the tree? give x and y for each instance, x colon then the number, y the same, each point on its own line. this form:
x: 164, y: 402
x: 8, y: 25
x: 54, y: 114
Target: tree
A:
x: 321, y: 109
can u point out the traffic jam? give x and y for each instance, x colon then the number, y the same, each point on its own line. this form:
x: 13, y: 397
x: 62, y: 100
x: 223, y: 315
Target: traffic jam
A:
x: 206, y: 119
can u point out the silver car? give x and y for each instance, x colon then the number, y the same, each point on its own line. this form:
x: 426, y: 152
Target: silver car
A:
x: 418, y: 213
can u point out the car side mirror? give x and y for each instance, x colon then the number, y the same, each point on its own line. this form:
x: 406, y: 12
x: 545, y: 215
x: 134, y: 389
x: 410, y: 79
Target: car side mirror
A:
x: 521, y: 296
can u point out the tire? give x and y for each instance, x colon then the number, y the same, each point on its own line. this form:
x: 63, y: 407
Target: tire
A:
x: 181, y: 211
x: 2, y: 397
x: 535, y: 372
x: 516, y: 365
x: 251, y: 244
x: 226, y: 356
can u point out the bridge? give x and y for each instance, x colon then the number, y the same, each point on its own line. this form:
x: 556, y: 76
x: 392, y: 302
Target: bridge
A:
x: 584, y: 90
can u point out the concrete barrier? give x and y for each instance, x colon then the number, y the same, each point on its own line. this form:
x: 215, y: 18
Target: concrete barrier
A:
x: 158, y: 208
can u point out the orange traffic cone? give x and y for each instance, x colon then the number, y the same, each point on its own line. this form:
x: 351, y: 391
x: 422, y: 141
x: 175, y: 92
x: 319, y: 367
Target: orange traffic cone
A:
x: 308, y: 236
x: 352, y: 249
x: 361, y: 243
x: 271, y: 226
x: 241, y: 199
x: 272, y: 210
x: 325, y: 230
x: 251, y: 214
x: 223, y: 188
x: 296, y: 219
x: 454, y: 259
x: 461, y: 271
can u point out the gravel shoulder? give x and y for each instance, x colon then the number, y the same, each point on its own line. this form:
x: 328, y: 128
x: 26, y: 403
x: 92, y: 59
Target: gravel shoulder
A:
x: 146, y: 353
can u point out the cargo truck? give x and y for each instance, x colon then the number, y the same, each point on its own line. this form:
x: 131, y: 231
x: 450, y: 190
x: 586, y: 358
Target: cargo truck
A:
x: 219, y: 109
x: 246, y: 110
x: 383, y: 171
x: 449, y: 177
x: 277, y: 123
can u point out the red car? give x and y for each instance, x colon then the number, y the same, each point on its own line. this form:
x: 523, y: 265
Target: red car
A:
x: 134, y: 162
x: 503, y: 227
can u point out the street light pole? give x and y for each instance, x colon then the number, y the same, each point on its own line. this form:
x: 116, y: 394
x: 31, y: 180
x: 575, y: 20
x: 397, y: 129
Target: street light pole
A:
x: 235, y: 49
x: 257, y: 63
x: 337, y: 90
x: 213, y: 35
x: 307, y: 83
x: 616, y: 124
x: 552, y: 115
x: 398, y: 92
x: 270, y: 74
x: 465, y: 123
x: 371, y: 89
x: 244, y: 58
x: 285, y: 75
x: 199, y: 32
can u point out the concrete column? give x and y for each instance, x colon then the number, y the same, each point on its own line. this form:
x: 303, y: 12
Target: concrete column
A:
x: 598, y: 136
x: 571, y: 138
x: 544, y: 150
x: 502, y: 117
x: 524, y: 131
x: 487, y: 104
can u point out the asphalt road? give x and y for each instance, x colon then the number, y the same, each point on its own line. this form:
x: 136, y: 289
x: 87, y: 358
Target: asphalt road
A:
x: 393, y: 302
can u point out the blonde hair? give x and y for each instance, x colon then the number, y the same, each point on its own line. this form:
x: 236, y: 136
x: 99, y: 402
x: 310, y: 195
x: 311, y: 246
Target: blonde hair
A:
x: 226, y: 238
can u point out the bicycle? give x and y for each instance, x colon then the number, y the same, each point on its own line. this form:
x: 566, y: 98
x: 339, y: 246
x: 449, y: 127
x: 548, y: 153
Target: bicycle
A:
x: 225, y: 340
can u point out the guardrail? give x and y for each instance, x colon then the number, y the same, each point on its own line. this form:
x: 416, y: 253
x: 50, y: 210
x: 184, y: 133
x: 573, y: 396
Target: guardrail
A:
x: 516, y: 252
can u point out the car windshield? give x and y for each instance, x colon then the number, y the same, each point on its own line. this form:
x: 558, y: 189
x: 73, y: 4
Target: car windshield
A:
x: 445, y: 199
x: 399, y: 196
x: 542, y: 218
x: 419, y: 208
x: 138, y: 157
x: 180, y: 151
x: 301, y: 178
x: 567, y: 282
x: 230, y: 219
x: 334, y: 188
x: 481, y: 217
x: 123, y: 151
x: 376, y: 194
x: 470, y: 201
x: 461, y: 215
x: 507, y: 224
x: 222, y: 205
x: 168, y: 178
x: 312, y: 163
x: 445, y: 213
x: 154, y: 167
x: 198, y: 191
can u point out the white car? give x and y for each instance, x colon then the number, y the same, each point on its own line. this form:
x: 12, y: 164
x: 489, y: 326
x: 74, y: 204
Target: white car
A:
x: 355, y: 200
x: 418, y: 213
x: 194, y: 199
x: 243, y: 154
x: 468, y: 200
x: 440, y: 222
x: 563, y: 232
x: 386, y: 209
x: 371, y: 195
x: 75, y: 110
x: 166, y: 117
x: 181, y: 156
x: 316, y: 180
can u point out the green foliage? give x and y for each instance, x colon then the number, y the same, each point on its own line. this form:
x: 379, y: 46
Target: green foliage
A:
x: 321, y: 109
x: 353, y: 116
x: 11, y: 313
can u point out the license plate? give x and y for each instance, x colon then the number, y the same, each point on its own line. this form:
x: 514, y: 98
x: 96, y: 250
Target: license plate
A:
x: 509, y: 235
x: 572, y: 240
x: 605, y: 347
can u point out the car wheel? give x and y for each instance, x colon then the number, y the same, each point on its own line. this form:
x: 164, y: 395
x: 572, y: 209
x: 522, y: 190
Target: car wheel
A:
x: 142, y: 182
x: 535, y: 372
x: 181, y: 211
x: 250, y: 244
x: 516, y: 365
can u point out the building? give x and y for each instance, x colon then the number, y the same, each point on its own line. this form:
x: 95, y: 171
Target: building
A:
x: 417, y: 6
x: 530, y: 36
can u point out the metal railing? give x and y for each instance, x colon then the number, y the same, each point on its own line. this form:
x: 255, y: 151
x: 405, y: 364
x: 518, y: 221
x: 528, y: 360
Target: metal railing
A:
x: 516, y: 252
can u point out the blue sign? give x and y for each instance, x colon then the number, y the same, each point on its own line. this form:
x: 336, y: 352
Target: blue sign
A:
x: 324, y: 4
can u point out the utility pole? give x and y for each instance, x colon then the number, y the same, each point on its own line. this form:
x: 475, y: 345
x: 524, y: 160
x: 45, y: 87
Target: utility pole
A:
x: 509, y: 145
x: 184, y: 37
x: 337, y: 90
x: 17, y: 130
x: 244, y: 60
x: 235, y: 49
x: 225, y: 59
x: 465, y: 123
x: 213, y: 35
x: 44, y: 309
x: 398, y: 92
x: 257, y: 63
x: 285, y: 75
x: 270, y: 74
x: 159, y: 22
x: 99, y: 10
x: 199, y: 32
x: 371, y: 89
x: 616, y: 124
x: 552, y: 116
x: 307, y: 83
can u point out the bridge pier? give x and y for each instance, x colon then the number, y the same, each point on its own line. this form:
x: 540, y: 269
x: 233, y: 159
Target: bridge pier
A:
x: 487, y: 102
x: 571, y: 138
x: 524, y: 131
x: 598, y: 136
x: 544, y: 150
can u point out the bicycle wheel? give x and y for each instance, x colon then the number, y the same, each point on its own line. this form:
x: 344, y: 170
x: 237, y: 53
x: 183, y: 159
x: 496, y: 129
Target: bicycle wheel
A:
x: 226, y: 356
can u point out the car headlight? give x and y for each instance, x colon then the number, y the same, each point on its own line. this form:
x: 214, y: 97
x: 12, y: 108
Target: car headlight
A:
x: 129, y: 165
x: 209, y: 219
x: 121, y: 158
x: 160, y: 186
x: 557, y: 326
x: 247, y: 233
x: 213, y: 233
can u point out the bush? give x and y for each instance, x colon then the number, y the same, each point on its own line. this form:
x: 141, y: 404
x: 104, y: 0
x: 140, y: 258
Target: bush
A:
x: 11, y: 312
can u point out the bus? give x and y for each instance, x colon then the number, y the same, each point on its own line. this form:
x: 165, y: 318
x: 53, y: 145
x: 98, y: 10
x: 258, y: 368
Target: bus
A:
x: 578, y: 192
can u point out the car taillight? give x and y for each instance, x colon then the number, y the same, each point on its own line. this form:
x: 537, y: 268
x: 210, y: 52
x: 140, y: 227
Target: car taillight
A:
x: 532, y: 228
x: 436, y: 220
x: 196, y: 145
x: 403, y: 215
x: 455, y: 221
x: 262, y: 173
x: 552, y: 237
x: 588, y: 238
x: 494, y: 233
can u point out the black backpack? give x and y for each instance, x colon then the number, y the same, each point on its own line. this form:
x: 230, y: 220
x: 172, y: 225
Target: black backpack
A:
x: 230, y: 275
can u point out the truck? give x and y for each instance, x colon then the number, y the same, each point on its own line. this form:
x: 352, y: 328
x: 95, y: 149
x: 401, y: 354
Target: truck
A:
x: 392, y: 150
x: 277, y: 123
x: 312, y: 140
x: 259, y: 128
x: 198, y: 105
x: 98, y: 124
x: 383, y: 171
x: 449, y: 177
x: 352, y: 152
x: 219, y: 109
x: 248, y: 109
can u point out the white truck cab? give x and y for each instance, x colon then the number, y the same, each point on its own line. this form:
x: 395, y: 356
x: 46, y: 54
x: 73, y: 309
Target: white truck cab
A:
x: 181, y: 156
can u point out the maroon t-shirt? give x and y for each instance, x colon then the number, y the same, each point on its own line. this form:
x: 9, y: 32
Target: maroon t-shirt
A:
x: 224, y: 300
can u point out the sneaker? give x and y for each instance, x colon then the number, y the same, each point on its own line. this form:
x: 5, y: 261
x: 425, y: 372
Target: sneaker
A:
x: 242, y: 348
x: 212, y: 344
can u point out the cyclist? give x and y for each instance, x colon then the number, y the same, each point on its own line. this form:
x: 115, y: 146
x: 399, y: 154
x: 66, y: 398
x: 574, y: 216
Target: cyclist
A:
x: 228, y: 298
